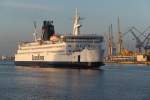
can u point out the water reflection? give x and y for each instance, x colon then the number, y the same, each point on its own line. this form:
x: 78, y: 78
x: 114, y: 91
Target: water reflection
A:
x: 58, y: 83
x: 113, y: 82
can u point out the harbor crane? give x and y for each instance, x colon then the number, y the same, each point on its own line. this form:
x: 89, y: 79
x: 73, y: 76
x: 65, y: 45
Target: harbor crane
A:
x: 145, y: 43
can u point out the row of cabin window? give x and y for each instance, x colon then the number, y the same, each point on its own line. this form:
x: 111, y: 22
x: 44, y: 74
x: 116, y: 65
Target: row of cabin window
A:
x: 41, y: 48
x: 43, y: 51
x: 84, y: 41
x: 82, y: 46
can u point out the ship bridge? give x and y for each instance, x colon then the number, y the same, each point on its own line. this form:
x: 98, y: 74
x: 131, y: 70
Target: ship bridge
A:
x: 84, y: 38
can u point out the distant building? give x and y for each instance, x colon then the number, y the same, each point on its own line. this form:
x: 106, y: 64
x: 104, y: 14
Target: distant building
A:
x: 4, y: 57
x: 7, y: 58
x: 0, y: 57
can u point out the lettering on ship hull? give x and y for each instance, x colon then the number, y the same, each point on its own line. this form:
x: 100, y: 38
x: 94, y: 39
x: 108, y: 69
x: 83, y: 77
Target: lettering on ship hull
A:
x: 38, y: 57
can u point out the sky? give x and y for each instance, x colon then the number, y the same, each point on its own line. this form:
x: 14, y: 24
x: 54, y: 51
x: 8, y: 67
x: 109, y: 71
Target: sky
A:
x: 17, y: 17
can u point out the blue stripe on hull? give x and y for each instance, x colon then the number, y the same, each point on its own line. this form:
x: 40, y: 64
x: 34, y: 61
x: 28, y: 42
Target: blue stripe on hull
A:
x: 60, y: 64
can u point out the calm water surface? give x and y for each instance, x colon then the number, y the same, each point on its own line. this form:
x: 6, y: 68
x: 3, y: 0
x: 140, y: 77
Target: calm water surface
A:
x: 112, y: 82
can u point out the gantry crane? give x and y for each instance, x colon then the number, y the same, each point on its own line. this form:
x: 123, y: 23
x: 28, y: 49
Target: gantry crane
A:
x: 145, y: 43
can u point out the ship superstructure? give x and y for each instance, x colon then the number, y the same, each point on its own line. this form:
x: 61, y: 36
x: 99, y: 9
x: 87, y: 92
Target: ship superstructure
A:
x: 52, y: 50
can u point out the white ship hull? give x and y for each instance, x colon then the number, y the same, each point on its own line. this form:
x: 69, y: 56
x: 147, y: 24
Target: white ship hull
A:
x: 85, y: 58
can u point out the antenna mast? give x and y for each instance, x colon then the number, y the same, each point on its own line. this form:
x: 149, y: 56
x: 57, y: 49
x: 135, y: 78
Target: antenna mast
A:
x: 35, y: 33
x: 76, y: 24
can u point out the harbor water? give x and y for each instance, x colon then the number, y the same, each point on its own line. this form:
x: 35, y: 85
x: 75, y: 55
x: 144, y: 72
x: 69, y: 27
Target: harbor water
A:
x: 110, y: 82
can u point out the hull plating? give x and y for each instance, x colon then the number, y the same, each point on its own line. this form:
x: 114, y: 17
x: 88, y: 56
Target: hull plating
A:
x: 60, y: 64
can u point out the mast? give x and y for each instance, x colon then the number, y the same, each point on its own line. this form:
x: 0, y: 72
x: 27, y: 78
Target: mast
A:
x: 110, y: 42
x: 76, y: 24
x: 35, y: 33
x: 120, y: 41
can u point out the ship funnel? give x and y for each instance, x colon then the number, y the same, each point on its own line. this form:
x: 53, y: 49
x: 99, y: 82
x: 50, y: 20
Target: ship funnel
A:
x: 47, y: 30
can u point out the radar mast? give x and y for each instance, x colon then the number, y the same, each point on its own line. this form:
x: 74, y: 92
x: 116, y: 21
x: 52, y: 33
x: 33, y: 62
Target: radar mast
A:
x: 35, y: 32
x: 76, y: 24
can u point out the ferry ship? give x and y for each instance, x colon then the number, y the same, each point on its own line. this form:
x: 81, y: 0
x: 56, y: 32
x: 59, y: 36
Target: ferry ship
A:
x: 52, y: 50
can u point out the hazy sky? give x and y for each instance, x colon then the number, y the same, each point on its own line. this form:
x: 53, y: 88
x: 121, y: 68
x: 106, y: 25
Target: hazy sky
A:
x: 17, y: 16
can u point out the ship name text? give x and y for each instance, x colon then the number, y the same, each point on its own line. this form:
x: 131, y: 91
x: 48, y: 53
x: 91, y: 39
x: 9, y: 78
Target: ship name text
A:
x: 38, y: 57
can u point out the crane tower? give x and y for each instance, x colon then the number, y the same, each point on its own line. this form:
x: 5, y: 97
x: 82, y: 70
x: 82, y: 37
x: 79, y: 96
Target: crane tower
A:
x: 120, y: 40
